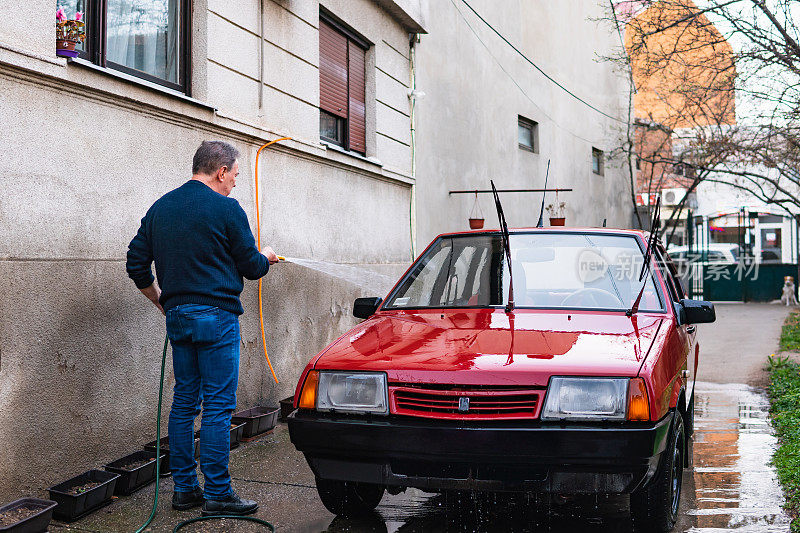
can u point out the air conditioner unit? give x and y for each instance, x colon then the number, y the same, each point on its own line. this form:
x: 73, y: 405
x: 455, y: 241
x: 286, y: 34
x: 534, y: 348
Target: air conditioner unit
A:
x: 672, y: 196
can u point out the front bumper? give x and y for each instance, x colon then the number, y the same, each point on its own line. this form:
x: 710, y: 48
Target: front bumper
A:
x: 501, y: 456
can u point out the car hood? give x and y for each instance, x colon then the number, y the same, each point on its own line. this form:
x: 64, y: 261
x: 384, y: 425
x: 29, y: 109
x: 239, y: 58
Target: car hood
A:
x: 490, y: 347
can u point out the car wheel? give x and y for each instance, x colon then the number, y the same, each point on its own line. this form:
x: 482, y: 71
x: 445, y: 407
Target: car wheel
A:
x: 655, y: 507
x: 348, y: 498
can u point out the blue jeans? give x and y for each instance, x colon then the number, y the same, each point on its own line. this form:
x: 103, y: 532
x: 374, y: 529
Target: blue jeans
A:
x: 205, y: 357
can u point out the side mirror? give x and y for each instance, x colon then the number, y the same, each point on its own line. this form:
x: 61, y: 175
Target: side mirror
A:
x: 698, y: 311
x: 366, y: 307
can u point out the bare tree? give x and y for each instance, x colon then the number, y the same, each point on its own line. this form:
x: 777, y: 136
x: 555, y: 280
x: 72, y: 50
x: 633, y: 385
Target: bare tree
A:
x: 717, y: 88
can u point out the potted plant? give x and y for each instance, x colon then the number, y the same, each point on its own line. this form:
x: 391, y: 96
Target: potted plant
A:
x: 79, y: 496
x: 165, y: 466
x: 135, y: 471
x: 256, y: 420
x: 69, y: 32
x: 476, y: 215
x: 26, y: 515
x: 556, y: 212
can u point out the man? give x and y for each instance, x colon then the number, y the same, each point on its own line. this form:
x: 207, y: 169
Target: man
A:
x: 202, y: 245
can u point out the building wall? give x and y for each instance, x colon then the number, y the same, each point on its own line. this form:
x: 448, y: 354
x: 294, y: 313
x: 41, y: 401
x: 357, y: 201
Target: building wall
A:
x: 87, y: 153
x: 467, y: 120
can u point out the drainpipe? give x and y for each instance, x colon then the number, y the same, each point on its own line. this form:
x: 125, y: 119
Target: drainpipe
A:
x: 412, y: 96
x: 261, y: 55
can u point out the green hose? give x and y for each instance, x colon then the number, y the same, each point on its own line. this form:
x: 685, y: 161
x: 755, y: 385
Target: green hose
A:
x: 158, y: 467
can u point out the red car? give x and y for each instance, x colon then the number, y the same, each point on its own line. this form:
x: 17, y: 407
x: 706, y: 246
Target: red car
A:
x: 576, y: 377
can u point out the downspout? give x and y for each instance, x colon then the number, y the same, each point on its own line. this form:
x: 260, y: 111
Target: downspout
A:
x: 261, y: 55
x: 414, y: 38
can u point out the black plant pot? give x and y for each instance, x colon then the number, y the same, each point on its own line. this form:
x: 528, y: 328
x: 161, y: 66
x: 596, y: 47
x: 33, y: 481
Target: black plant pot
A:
x: 74, y: 506
x: 287, y: 406
x: 256, y: 420
x: 151, y: 447
x: 236, y: 435
x: 35, y: 523
x: 166, y: 470
x: 132, y: 479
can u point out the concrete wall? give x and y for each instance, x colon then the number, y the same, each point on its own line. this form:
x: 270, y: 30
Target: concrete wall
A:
x: 467, y: 120
x: 88, y: 152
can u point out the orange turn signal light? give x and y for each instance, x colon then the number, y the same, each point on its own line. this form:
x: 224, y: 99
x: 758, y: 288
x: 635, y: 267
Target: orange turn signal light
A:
x: 308, y: 396
x: 638, y: 402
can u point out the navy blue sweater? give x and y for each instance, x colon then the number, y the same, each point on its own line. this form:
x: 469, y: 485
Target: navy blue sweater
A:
x: 202, y: 245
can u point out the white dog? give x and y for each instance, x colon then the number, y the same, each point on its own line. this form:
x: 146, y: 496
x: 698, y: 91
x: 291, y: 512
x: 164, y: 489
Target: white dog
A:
x: 789, y: 293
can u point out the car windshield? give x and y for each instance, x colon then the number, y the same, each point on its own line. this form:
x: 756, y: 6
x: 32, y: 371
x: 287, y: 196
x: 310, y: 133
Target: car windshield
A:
x: 551, y: 270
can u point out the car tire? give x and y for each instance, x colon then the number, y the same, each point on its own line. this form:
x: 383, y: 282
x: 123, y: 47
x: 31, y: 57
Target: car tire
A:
x: 348, y: 498
x: 654, y: 508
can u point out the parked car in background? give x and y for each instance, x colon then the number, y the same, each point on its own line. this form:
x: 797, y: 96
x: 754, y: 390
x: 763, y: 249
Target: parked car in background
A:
x: 584, y: 384
x: 715, y: 253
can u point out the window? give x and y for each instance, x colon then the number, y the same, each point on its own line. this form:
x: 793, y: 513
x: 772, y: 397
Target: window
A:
x: 342, y: 85
x: 527, y: 134
x: 638, y: 163
x: 144, y: 38
x: 597, y: 161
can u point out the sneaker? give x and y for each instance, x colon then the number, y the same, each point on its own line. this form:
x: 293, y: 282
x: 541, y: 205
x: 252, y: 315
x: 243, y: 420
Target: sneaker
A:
x: 233, y: 505
x: 187, y: 500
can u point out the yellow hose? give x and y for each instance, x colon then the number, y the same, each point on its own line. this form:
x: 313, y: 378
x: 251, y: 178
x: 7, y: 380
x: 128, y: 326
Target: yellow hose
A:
x: 258, y: 233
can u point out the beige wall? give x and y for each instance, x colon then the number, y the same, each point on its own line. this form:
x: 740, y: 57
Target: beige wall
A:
x: 467, y: 120
x: 89, y: 151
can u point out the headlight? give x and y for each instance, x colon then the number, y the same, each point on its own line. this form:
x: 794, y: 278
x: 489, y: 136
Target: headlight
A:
x: 361, y: 392
x: 586, y: 399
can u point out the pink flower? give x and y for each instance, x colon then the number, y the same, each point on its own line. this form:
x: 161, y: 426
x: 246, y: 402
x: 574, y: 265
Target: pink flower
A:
x: 78, y: 16
x: 60, y: 15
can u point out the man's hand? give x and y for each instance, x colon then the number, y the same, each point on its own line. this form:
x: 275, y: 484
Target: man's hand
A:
x: 269, y: 253
x: 153, y: 293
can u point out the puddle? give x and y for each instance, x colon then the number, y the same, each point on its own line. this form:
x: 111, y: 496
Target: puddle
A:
x: 730, y: 487
x: 734, y: 486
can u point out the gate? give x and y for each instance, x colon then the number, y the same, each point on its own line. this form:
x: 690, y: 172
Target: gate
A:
x: 738, y: 282
x: 748, y: 279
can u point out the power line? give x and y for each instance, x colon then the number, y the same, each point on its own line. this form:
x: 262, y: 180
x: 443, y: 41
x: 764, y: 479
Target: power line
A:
x: 514, y: 81
x: 542, y: 72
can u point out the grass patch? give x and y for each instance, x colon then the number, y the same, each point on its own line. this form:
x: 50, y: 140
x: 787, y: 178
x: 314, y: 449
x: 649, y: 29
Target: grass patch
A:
x: 790, y: 334
x: 784, y: 394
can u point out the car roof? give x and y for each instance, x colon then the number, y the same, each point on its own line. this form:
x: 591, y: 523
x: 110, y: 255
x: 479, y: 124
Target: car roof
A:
x: 551, y: 229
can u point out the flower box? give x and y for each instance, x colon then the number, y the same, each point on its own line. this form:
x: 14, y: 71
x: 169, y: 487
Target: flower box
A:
x: 135, y: 471
x: 236, y: 434
x: 79, y: 496
x: 166, y: 470
x: 287, y: 407
x: 256, y: 420
x: 26, y: 515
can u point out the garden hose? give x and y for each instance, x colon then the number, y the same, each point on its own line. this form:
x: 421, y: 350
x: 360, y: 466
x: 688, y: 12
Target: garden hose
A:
x: 158, y: 468
x: 258, y: 236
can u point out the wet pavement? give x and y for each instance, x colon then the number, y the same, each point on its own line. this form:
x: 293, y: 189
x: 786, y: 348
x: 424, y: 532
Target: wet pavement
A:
x: 730, y: 487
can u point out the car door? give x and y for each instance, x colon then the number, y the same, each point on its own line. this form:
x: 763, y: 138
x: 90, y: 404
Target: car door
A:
x: 687, y: 333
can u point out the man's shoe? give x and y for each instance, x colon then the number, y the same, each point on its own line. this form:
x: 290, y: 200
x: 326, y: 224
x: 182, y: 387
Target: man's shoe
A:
x: 233, y: 504
x: 187, y: 500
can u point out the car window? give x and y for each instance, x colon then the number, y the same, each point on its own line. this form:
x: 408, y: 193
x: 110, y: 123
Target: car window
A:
x: 550, y: 270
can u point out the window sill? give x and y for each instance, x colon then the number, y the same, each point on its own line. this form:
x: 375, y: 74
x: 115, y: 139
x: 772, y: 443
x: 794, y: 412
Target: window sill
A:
x: 139, y: 81
x: 341, y: 150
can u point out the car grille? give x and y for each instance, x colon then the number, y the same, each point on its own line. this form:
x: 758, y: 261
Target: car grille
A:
x: 484, y: 404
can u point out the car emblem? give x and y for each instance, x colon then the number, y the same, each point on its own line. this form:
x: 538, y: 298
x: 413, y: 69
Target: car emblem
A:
x: 463, y: 404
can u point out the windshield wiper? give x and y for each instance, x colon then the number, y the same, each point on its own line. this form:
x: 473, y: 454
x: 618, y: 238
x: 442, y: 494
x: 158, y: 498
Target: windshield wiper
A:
x: 506, y: 246
x: 655, y: 224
